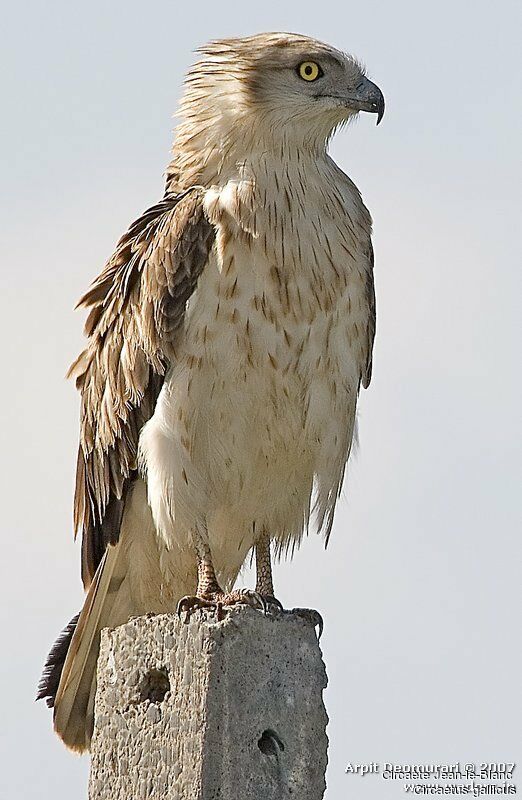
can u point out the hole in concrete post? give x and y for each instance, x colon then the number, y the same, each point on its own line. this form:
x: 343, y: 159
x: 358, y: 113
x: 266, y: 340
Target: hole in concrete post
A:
x: 270, y: 743
x: 154, y: 686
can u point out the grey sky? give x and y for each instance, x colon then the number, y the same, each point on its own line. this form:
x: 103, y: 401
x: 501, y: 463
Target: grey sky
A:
x: 420, y: 584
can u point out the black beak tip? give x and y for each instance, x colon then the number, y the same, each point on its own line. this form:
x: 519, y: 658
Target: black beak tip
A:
x: 380, y: 109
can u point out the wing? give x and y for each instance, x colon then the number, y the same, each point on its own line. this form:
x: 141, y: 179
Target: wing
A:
x: 366, y: 367
x: 370, y: 328
x: 137, y: 310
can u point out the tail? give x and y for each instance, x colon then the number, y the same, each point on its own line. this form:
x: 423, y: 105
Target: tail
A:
x: 52, y: 671
x: 69, y: 678
x: 127, y: 583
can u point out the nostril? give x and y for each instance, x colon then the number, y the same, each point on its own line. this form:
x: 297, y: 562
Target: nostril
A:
x: 270, y: 743
x: 154, y: 686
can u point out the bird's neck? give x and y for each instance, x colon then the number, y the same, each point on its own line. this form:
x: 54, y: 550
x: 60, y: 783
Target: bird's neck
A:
x: 210, y: 158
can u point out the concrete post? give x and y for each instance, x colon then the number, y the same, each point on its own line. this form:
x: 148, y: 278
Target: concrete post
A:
x: 210, y: 710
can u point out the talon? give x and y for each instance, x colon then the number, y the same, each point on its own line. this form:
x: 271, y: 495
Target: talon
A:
x: 180, y: 608
x: 312, y: 616
x: 191, y: 603
x: 270, y: 600
x: 261, y: 600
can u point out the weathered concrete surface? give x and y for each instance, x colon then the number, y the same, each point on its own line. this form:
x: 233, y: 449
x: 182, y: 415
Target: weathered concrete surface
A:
x: 210, y: 710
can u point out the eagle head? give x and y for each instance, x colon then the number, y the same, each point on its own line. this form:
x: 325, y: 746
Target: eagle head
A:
x: 269, y: 90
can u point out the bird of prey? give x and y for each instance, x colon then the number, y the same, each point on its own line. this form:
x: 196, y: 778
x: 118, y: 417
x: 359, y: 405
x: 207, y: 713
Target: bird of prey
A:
x: 228, y: 337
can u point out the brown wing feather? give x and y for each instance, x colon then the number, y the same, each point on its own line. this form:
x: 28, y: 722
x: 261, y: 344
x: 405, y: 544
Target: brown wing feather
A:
x: 370, y: 330
x: 137, y: 309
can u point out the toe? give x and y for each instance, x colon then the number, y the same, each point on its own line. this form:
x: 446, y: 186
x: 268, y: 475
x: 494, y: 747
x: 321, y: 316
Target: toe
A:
x: 245, y: 597
x: 191, y: 603
x: 272, y: 603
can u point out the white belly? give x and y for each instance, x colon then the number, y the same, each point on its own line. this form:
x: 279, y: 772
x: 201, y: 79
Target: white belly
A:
x: 258, y: 409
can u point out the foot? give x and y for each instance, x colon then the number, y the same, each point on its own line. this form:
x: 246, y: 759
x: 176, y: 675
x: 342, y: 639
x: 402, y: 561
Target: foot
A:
x: 220, y: 601
x: 272, y: 603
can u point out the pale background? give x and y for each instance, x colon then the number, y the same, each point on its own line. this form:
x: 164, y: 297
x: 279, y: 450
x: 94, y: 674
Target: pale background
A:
x: 419, y: 587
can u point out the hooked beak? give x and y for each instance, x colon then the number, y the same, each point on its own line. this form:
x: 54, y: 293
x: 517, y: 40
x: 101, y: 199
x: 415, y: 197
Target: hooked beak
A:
x: 368, y: 97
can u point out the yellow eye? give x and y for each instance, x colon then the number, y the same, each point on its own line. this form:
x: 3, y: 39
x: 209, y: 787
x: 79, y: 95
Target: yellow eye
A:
x: 309, y: 71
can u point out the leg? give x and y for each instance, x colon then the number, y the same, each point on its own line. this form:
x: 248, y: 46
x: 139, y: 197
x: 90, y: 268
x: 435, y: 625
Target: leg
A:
x: 265, y: 586
x: 264, y: 583
x: 209, y: 593
x: 207, y: 581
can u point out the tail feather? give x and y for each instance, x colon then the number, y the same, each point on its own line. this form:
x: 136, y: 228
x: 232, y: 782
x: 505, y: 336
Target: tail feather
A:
x: 52, y: 671
x: 108, y: 602
x: 128, y: 582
